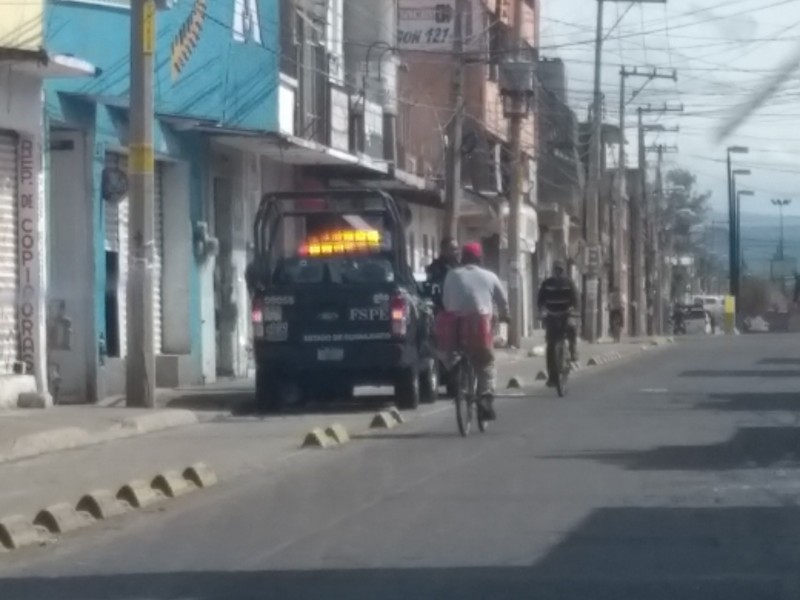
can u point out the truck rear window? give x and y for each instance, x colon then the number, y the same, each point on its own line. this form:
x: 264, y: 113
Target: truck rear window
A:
x: 334, y: 270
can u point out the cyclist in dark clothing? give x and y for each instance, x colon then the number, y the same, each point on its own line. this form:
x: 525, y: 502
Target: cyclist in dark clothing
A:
x: 559, y: 296
x: 440, y: 267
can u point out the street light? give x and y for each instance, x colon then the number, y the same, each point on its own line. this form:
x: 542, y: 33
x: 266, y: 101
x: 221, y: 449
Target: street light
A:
x: 732, y: 217
x: 739, y: 253
x: 780, y: 203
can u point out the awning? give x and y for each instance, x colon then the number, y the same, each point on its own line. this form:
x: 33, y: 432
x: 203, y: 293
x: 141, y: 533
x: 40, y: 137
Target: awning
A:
x: 400, y: 184
x: 293, y: 150
x: 45, y: 65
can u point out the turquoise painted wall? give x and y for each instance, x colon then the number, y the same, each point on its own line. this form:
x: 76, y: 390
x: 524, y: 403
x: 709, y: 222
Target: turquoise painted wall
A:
x: 207, y: 66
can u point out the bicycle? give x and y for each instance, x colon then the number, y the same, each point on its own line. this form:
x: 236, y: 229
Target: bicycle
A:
x: 559, y: 359
x: 466, y: 400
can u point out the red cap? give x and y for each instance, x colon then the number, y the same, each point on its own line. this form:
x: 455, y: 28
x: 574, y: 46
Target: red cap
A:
x: 473, y: 250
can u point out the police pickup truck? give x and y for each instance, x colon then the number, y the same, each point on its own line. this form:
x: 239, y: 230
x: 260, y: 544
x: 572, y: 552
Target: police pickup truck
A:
x: 334, y: 301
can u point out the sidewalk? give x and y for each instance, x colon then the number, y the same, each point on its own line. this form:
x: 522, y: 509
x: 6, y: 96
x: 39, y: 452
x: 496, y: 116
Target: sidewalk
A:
x: 28, y: 433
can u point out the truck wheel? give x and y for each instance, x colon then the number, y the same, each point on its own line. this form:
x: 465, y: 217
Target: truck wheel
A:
x: 406, y: 389
x: 429, y: 382
x: 266, y: 391
x: 274, y: 393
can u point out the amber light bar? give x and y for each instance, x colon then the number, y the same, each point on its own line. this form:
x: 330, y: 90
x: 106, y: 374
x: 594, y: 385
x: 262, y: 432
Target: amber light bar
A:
x: 341, y: 242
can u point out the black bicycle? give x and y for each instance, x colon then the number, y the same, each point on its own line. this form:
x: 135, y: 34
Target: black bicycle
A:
x: 558, y: 359
x: 466, y: 397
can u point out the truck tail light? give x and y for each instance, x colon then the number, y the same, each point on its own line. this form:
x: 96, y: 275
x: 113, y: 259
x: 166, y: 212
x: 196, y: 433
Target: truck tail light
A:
x: 256, y: 312
x: 398, y: 308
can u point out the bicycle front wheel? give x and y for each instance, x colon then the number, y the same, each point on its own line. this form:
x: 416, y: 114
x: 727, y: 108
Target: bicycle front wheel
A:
x: 463, y: 399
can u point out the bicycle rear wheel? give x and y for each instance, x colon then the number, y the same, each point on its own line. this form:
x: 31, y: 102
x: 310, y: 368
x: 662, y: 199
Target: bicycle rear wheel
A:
x: 561, y: 365
x: 463, y: 396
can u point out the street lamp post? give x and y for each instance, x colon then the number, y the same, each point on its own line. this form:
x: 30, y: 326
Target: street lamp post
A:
x: 732, y: 217
x: 780, y: 203
x: 737, y: 217
x: 737, y: 279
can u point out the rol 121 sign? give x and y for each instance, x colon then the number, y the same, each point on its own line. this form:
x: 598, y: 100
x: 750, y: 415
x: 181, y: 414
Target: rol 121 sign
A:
x: 426, y: 24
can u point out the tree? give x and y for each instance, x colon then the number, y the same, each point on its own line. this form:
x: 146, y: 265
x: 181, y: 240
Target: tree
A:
x: 685, y: 208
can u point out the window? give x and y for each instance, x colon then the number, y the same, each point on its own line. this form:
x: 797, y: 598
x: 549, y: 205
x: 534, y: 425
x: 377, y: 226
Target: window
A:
x: 289, y: 44
x: 352, y: 270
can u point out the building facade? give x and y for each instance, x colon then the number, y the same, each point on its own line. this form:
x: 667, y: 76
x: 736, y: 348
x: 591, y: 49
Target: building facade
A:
x: 425, y: 111
x: 560, y: 176
x: 216, y: 77
x: 251, y: 97
x: 25, y: 62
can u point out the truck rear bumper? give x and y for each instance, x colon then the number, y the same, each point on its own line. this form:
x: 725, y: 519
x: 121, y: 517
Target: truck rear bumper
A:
x: 368, y: 362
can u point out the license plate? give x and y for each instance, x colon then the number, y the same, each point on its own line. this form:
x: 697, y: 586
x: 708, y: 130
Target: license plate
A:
x: 330, y: 354
x: 273, y: 312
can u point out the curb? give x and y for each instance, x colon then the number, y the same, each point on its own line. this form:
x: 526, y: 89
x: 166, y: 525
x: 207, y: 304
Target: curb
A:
x: 383, y: 420
x: 317, y: 438
x: 333, y: 435
x: 60, y: 518
x: 68, y: 438
x: 338, y: 433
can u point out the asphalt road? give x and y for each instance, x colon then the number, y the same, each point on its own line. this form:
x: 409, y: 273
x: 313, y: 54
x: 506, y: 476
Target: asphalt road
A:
x: 671, y: 476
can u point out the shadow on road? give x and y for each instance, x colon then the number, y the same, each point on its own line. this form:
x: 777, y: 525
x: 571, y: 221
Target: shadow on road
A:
x: 425, y: 435
x: 752, y: 401
x: 767, y: 373
x: 779, y: 361
x: 748, y: 553
x: 234, y: 400
x: 749, y: 448
x: 240, y: 402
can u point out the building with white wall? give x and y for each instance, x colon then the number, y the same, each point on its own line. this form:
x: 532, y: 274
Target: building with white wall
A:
x: 24, y: 65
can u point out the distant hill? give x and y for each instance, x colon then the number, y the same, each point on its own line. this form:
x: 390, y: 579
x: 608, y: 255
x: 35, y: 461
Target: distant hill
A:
x: 760, y: 235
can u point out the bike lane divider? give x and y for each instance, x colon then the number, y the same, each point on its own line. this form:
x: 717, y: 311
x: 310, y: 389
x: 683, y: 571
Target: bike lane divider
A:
x: 58, y: 519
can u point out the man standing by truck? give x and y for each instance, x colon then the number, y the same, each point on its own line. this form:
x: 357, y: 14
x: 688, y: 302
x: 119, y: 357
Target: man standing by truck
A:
x: 440, y: 267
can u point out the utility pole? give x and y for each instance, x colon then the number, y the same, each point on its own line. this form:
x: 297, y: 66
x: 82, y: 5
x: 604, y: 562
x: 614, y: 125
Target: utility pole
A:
x: 592, y: 211
x: 658, y: 263
x: 140, y: 381
x: 637, y: 233
x: 517, y: 86
x: 452, y: 188
x: 780, y: 203
x: 652, y: 293
x: 732, y: 267
x: 616, y: 239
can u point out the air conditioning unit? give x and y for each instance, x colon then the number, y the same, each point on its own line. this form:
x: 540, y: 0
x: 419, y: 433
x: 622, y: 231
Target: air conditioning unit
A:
x: 485, y: 170
x: 411, y: 164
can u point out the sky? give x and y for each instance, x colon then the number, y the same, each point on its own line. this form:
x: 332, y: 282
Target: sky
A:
x: 723, y: 52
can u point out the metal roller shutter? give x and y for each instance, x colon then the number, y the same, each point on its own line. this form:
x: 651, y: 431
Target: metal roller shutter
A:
x: 111, y: 209
x: 9, y: 265
x: 158, y: 255
x: 117, y: 219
